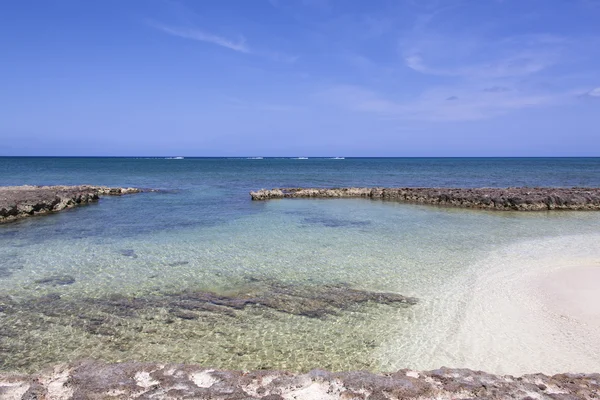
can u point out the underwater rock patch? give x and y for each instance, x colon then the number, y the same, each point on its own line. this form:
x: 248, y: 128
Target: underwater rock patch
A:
x: 184, y: 314
x: 229, y: 325
x: 307, y: 301
x: 300, y: 300
x: 128, y: 253
x: 330, y: 222
x: 9, y: 263
x: 6, y: 270
x: 178, y: 263
x: 56, y: 280
x: 9, y: 234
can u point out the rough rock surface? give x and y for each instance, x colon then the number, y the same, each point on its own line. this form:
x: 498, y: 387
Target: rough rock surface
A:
x: 18, y: 202
x: 312, y: 302
x: 94, y: 380
x: 307, y: 301
x: 118, y: 323
x: 515, y: 199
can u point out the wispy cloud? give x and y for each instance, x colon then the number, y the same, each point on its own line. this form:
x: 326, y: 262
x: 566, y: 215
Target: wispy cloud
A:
x: 199, y: 35
x: 467, y: 74
x: 238, y: 45
x: 472, y: 57
x: 238, y: 103
x: 319, y: 4
x: 496, y: 89
x: 437, y: 104
x: 594, y: 92
x: 433, y: 61
x: 433, y: 46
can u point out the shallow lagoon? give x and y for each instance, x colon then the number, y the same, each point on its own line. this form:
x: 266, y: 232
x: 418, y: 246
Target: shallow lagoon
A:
x: 107, y: 281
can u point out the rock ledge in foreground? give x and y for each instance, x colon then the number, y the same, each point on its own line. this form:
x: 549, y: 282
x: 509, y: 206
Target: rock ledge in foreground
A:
x: 18, y: 202
x: 96, y: 380
x: 515, y: 199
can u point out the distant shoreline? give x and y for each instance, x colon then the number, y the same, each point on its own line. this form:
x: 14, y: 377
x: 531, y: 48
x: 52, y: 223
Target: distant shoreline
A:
x: 502, y: 199
x: 250, y: 157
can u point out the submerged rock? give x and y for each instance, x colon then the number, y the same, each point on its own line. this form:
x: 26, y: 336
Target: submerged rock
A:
x: 178, y: 263
x: 515, y: 199
x: 56, y: 280
x: 9, y: 263
x: 18, y: 202
x: 128, y: 253
x: 96, y: 380
x: 306, y: 301
x: 227, y: 330
x: 329, y: 222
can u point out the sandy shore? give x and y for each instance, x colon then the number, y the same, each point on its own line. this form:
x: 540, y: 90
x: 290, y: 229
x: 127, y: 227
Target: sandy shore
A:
x: 529, y: 312
x: 574, y: 293
x: 524, y: 308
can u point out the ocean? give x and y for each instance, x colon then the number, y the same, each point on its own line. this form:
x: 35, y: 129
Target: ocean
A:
x: 124, y: 279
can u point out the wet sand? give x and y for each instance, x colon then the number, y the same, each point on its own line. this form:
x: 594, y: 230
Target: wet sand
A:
x: 528, y: 307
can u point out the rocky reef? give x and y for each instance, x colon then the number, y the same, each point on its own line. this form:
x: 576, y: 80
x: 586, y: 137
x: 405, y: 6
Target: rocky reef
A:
x: 94, y: 380
x: 18, y: 202
x: 509, y: 199
x: 244, y: 328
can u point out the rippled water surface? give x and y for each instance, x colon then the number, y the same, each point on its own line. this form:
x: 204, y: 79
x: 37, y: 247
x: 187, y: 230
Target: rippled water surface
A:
x: 121, y: 279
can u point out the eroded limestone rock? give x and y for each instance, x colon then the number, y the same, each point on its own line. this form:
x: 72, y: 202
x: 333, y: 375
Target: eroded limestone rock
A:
x: 18, y: 202
x: 510, y: 199
x: 56, y: 280
x: 94, y: 380
x: 230, y: 327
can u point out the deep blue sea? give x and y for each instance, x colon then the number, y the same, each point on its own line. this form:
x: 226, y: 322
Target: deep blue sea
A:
x: 110, y: 280
x: 214, y: 190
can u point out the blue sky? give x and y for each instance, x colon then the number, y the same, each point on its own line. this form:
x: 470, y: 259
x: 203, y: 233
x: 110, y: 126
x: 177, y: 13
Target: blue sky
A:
x: 300, y: 77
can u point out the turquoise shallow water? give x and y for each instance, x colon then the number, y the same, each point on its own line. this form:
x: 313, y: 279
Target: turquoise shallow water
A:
x: 202, y: 233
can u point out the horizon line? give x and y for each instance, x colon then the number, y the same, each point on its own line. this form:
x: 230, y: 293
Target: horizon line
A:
x: 282, y: 157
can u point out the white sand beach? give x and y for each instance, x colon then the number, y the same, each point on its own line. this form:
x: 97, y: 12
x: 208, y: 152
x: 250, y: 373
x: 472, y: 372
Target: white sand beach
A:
x: 574, y: 293
x: 537, y: 308
x: 528, y: 307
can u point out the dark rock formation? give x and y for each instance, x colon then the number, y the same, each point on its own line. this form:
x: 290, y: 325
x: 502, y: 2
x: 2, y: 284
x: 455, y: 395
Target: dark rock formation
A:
x: 9, y: 263
x: 177, y: 263
x: 307, y: 301
x: 18, y: 202
x: 128, y: 253
x: 515, y: 199
x: 119, y: 323
x: 95, y: 380
x: 56, y: 280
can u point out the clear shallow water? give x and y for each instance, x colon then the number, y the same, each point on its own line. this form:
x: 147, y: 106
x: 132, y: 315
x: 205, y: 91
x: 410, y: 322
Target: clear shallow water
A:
x: 204, y: 234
